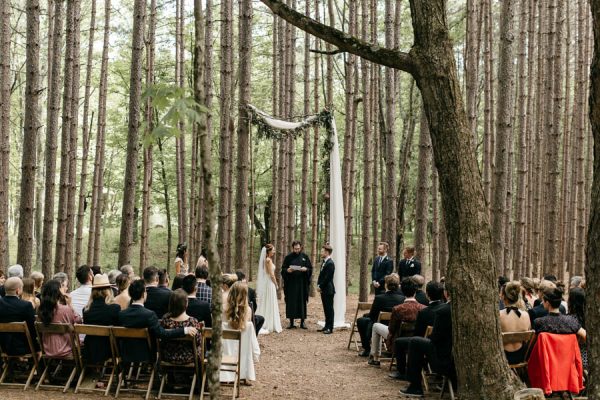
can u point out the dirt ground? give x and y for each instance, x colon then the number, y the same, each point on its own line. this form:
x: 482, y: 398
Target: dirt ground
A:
x: 296, y: 364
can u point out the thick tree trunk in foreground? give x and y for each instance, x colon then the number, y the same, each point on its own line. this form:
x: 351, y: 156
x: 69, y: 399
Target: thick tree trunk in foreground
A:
x: 5, y: 34
x: 30, y: 132
x: 482, y: 369
x: 592, y: 269
x: 135, y: 94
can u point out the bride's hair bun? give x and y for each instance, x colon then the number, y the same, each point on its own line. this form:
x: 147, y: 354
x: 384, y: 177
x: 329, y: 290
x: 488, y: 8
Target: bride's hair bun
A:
x: 268, y: 247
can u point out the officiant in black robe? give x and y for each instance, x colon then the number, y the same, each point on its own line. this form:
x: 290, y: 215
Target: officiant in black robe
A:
x: 296, y: 272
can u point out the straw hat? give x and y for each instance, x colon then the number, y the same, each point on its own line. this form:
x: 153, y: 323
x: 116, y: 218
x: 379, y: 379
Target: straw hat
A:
x: 101, y: 281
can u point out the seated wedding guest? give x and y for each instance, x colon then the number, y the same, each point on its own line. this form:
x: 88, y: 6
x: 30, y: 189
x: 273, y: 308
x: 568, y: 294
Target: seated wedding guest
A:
x: 405, y: 312
x: 227, y: 281
x: 127, y: 270
x: 56, y: 308
x: 555, y: 321
x: 528, y: 287
x: 157, y: 298
x: 513, y: 318
x: 539, y: 310
x: 196, y: 308
x: 13, y: 309
x: 14, y: 271
x: 138, y: 316
x: 29, y: 293
x: 178, y: 352
x: 96, y: 269
x: 81, y: 295
x: 123, y: 298
x: 258, y: 320
x: 420, y: 295
x: 437, y: 350
x: 576, y: 282
x: 2, y: 280
x: 425, y: 318
x: 100, y: 310
x: 204, y: 292
x: 63, y: 279
x: 577, y: 311
x: 383, y: 302
x: 112, y: 278
x: 239, y: 316
x: 177, y: 282
x: 38, y: 281
x: 163, y: 278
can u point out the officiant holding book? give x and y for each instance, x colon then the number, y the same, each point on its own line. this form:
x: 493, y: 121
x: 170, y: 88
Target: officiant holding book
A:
x: 296, y: 272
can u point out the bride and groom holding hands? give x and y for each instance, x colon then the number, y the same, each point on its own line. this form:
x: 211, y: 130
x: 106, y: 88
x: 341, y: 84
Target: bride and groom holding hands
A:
x: 296, y: 273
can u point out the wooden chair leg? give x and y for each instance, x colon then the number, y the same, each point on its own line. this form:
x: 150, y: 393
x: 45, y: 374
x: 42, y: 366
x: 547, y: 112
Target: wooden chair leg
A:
x: 162, y: 385
x: 203, y: 385
x: 43, y: 376
x: 110, y: 380
x: 80, y: 380
x: 5, y: 372
x: 191, y: 396
x: 34, y: 368
x: 71, y: 377
x: 149, y: 384
x: 121, y: 376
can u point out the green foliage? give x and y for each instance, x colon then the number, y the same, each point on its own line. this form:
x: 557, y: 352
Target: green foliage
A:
x: 173, y: 105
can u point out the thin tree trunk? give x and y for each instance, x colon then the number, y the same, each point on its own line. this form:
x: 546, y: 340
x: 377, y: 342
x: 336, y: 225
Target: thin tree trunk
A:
x: 96, y: 206
x: 135, y: 92
x: 30, y: 132
x: 167, y: 199
x: 504, y: 125
x: 148, y: 150
x: 488, y: 87
x: 422, y: 197
x: 315, y: 158
x: 180, y: 140
x: 435, y: 223
x: 306, y: 136
x: 472, y: 65
x: 5, y: 83
x: 85, y: 138
x: 243, y: 135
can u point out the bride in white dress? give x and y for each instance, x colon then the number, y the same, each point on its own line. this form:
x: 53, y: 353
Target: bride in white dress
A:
x: 266, y: 291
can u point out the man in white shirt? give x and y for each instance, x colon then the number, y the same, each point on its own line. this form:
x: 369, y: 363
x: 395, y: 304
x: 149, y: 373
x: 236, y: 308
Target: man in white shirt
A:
x: 81, y: 295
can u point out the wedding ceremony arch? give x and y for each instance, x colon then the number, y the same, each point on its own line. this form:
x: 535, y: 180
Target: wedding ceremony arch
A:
x: 277, y: 129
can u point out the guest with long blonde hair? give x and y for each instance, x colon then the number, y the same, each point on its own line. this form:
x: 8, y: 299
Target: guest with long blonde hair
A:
x: 29, y: 293
x: 238, y: 311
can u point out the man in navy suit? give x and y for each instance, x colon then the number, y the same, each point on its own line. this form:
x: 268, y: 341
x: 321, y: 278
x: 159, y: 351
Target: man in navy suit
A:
x: 13, y: 309
x: 409, y: 266
x: 326, y: 287
x: 383, y: 265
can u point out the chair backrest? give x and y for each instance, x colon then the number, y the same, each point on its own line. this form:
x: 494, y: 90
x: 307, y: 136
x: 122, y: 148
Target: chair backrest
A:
x: 363, y: 305
x: 384, y: 316
x: 407, y: 328
x: 56, y: 329
x: 16, y: 328
x: 185, y: 339
x: 92, y: 330
x: 517, y: 337
x: 428, y: 331
x: 232, y: 334
x: 119, y: 333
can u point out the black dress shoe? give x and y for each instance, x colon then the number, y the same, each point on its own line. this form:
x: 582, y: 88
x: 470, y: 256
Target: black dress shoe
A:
x: 291, y: 326
x: 398, y: 375
x: 320, y: 330
x: 302, y: 325
x: 327, y: 331
x: 364, y: 353
x: 375, y: 363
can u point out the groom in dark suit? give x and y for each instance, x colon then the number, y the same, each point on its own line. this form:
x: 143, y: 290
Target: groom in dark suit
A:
x: 326, y: 287
x: 383, y: 265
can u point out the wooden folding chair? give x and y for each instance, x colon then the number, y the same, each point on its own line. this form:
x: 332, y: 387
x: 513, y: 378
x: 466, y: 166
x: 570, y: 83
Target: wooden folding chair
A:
x: 384, y: 316
x: 527, y: 338
x: 17, y: 328
x: 362, y: 306
x: 57, y: 329
x: 407, y: 329
x: 228, y: 363
x: 426, y: 375
x: 126, y: 377
x: 165, y: 366
x: 98, y: 331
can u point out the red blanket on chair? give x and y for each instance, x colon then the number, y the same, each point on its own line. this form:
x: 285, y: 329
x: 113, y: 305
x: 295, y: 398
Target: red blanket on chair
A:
x: 555, y: 364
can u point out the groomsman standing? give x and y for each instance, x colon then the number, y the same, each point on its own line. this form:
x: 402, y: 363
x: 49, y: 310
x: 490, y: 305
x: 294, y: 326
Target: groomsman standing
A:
x: 409, y: 266
x: 382, y: 267
x: 326, y: 287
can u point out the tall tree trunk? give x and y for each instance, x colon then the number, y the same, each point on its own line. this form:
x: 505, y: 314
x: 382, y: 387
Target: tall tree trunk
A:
x: 315, y: 158
x: 5, y: 84
x: 148, y: 150
x: 291, y: 97
x: 135, y: 93
x: 504, y: 124
x: 472, y: 64
x: 243, y: 135
x: 85, y: 138
x: 488, y: 95
x: 435, y: 226
x: 306, y: 136
x: 96, y: 205
x: 592, y: 265
x: 30, y: 132
x: 225, y: 141
x: 422, y: 198
x: 180, y: 140
x: 167, y: 199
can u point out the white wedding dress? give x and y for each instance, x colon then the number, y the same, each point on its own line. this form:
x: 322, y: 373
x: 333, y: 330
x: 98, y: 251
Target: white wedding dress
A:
x: 266, y: 293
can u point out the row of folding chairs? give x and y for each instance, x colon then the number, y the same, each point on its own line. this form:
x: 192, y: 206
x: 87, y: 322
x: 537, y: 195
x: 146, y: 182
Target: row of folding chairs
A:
x: 129, y: 373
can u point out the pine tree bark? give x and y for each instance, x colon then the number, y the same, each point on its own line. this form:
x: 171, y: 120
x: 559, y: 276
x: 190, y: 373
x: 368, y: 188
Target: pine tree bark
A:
x: 472, y: 64
x: 422, y: 195
x: 503, y: 132
x: 182, y: 196
x: 135, y: 93
x: 432, y: 64
x: 225, y: 141
x: 435, y: 226
x: 243, y: 135
x: 85, y: 139
x: 30, y: 132
x: 488, y: 96
x: 96, y: 204
x: 592, y: 265
x: 5, y: 83
x: 315, y: 157
x: 148, y: 150
x: 306, y: 137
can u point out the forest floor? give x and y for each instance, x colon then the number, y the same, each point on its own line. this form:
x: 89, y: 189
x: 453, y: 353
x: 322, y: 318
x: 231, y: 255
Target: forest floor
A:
x: 296, y: 364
